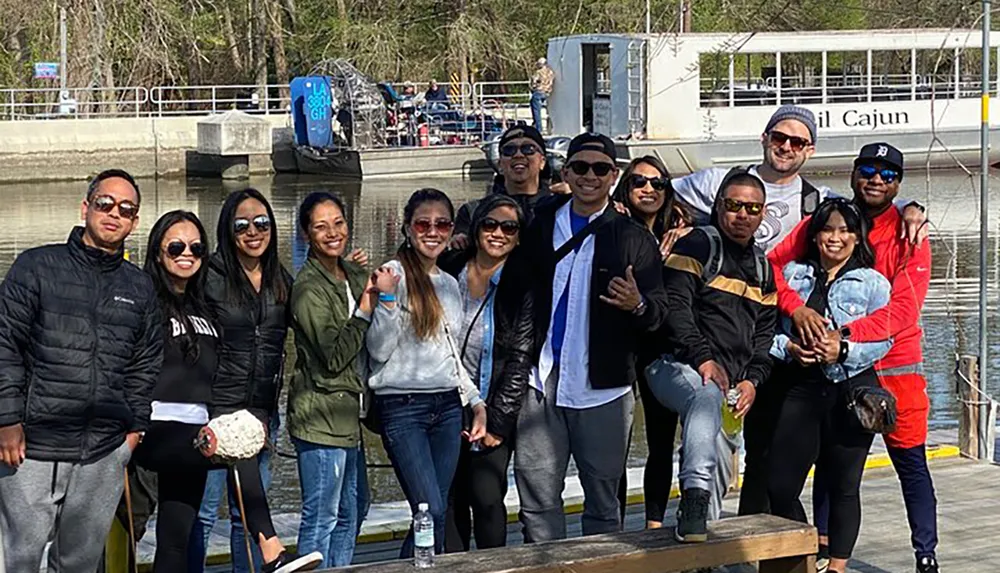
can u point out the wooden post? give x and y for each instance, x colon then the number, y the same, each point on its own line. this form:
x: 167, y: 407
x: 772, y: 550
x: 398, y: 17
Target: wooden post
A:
x: 968, y: 419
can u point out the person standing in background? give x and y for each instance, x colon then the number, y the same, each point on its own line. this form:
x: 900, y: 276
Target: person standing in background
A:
x: 542, y: 82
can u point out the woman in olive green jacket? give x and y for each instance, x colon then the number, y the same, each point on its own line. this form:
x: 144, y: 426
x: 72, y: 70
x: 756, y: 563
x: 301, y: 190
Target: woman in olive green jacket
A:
x: 331, y: 307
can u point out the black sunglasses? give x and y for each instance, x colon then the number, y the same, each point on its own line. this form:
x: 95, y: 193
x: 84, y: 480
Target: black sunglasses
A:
x: 639, y: 181
x: 779, y: 138
x: 176, y: 249
x: 261, y: 222
x: 509, y: 228
x: 601, y: 168
x: 734, y: 206
x: 106, y: 204
x: 526, y: 149
x: 869, y: 172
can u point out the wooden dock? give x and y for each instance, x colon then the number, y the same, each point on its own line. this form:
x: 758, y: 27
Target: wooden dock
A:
x: 968, y: 513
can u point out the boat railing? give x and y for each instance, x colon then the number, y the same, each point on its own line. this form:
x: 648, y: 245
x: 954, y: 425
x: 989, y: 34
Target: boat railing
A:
x: 512, y: 97
x: 199, y: 100
x: 72, y: 103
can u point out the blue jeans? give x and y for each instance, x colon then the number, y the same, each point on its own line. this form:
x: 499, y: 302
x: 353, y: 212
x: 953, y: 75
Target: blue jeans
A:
x: 679, y: 387
x: 329, y: 480
x: 422, y: 435
x: 215, y: 488
x: 538, y: 101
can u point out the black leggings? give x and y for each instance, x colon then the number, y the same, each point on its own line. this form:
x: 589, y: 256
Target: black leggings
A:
x: 480, y: 484
x: 758, y: 433
x: 182, y: 472
x: 815, y: 426
x: 661, y: 428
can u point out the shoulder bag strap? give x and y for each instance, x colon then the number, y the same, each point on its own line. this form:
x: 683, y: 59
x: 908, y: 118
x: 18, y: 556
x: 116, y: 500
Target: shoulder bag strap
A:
x: 585, y: 232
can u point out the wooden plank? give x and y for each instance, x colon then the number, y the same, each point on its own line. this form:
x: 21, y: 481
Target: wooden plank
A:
x: 735, y: 540
x: 805, y: 564
x: 968, y: 419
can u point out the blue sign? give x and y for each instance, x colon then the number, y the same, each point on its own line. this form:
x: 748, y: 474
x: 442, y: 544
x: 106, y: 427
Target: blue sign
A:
x: 46, y: 70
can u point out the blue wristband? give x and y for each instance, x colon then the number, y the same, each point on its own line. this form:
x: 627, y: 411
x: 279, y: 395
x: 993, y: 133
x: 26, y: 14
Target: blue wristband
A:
x: 385, y: 297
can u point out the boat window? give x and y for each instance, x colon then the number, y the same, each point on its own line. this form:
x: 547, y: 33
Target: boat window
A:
x: 768, y: 79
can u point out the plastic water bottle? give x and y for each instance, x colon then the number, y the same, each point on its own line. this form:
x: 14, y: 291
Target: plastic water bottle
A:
x: 423, y: 537
x: 731, y: 425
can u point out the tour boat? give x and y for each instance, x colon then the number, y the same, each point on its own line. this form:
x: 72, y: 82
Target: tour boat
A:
x: 703, y: 100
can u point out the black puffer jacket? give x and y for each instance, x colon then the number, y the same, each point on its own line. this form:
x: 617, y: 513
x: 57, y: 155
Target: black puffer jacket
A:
x: 251, y: 347
x: 513, y: 344
x: 80, y: 350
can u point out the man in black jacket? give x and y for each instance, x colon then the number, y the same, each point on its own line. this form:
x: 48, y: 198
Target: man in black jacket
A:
x: 719, y: 329
x: 80, y: 350
x: 592, y: 303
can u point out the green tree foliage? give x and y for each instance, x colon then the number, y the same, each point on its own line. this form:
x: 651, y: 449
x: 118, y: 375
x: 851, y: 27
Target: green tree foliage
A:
x: 198, y: 42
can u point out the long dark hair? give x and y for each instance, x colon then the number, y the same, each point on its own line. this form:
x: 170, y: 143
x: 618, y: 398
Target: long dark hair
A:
x: 177, y: 306
x: 272, y: 274
x: 425, y: 308
x: 483, y: 209
x: 667, y: 217
x: 856, y: 222
x: 310, y: 203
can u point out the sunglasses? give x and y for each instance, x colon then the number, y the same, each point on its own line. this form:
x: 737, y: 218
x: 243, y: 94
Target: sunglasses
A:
x: 176, y: 249
x: 778, y: 139
x: 509, y: 228
x: 639, y: 181
x: 422, y: 226
x: 869, y: 171
x: 106, y: 204
x: 261, y: 222
x: 526, y: 149
x: 734, y: 206
x: 600, y: 169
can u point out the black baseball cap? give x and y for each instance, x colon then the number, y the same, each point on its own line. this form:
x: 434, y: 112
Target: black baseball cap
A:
x: 592, y: 142
x: 522, y: 131
x: 882, y: 152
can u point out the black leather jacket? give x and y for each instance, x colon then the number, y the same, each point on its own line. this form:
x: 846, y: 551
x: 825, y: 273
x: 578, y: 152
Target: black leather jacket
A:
x: 512, y: 345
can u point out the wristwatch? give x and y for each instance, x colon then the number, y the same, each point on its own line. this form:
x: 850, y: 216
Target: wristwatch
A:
x: 640, y: 308
x: 845, y: 348
x: 845, y: 333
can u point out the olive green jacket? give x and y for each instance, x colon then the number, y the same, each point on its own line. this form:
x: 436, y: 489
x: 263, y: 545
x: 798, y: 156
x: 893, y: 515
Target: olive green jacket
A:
x: 324, y: 395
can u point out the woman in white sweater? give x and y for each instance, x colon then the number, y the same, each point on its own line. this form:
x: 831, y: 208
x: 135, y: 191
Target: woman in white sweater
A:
x: 420, y: 386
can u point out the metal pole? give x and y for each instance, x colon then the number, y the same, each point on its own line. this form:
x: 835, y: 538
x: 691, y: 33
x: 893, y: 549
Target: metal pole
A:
x: 680, y: 16
x: 649, y: 23
x: 62, y: 49
x: 984, y: 228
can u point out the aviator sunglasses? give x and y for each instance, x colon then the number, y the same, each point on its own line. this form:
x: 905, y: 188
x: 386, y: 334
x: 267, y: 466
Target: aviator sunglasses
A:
x: 734, y: 206
x: 601, y: 168
x: 441, y: 225
x: 509, y: 228
x: 526, y: 150
x: 176, y: 248
x: 778, y: 139
x: 869, y: 171
x: 261, y: 222
x: 639, y: 181
x: 106, y: 204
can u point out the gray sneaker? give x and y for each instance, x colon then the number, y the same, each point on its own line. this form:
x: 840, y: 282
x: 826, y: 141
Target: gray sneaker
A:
x: 692, y: 516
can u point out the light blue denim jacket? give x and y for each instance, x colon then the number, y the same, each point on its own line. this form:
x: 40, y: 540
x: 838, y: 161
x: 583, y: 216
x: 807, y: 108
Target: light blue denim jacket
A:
x: 489, y: 330
x: 855, y: 294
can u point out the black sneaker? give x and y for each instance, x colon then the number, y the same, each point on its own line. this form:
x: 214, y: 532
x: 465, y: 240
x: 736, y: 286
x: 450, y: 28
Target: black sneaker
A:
x: 823, y: 559
x: 927, y: 565
x: 290, y: 561
x: 692, y: 516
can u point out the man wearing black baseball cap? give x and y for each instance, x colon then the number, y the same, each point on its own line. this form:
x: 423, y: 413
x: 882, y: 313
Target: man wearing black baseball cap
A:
x: 596, y: 283
x: 524, y: 176
x: 878, y: 171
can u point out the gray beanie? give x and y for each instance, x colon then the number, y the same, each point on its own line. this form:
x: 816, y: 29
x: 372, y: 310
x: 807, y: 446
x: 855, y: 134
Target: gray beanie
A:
x: 797, y: 113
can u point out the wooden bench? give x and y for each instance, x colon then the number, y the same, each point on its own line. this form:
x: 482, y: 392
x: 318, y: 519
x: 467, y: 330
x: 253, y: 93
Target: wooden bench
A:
x: 780, y: 545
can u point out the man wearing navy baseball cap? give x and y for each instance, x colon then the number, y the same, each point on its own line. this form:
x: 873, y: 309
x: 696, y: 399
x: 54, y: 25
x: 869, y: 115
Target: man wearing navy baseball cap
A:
x: 596, y: 288
x: 878, y: 171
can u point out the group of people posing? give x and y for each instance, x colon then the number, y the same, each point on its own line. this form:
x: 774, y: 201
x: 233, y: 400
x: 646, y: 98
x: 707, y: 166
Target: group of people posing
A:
x: 520, y: 327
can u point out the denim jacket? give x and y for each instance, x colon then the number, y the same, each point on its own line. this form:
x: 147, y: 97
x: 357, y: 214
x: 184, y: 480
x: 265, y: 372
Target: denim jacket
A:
x: 853, y: 295
x: 486, y: 357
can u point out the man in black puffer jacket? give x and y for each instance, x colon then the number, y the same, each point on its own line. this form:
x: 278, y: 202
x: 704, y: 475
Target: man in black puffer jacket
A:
x: 80, y: 350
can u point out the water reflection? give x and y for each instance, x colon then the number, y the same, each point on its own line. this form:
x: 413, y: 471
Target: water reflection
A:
x: 41, y: 213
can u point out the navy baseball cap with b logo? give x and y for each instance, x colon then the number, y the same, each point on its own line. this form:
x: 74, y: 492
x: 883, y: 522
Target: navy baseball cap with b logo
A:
x: 881, y: 152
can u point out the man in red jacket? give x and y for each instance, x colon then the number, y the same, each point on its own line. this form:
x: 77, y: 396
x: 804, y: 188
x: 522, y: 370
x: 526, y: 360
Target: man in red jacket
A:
x: 878, y: 171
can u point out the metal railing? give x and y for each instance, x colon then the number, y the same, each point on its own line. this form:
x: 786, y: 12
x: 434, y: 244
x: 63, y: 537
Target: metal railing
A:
x: 200, y: 100
x: 74, y: 103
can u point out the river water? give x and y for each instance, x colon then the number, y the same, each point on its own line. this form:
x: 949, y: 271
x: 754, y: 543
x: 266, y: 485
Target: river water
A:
x: 39, y: 213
